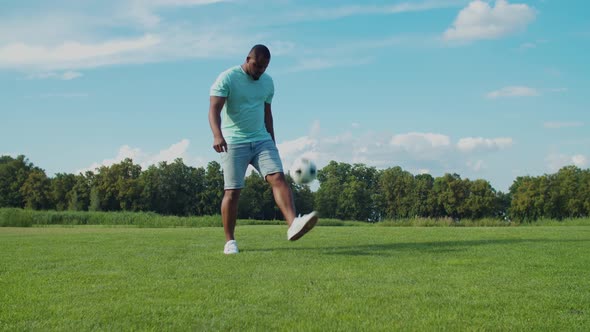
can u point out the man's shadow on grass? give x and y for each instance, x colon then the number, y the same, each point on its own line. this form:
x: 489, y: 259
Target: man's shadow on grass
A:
x: 387, y: 249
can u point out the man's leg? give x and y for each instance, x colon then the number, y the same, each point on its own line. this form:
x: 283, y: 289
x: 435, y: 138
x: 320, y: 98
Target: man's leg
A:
x: 284, y: 198
x: 268, y: 162
x: 283, y: 195
x: 229, y: 212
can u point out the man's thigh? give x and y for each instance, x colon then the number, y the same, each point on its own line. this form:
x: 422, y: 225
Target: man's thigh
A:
x: 266, y: 158
x: 234, y: 163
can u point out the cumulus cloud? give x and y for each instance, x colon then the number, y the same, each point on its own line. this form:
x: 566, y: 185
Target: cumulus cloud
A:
x: 414, y: 151
x: 72, y: 54
x: 478, y: 144
x: 555, y: 161
x: 145, y: 159
x: 81, y: 39
x: 580, y: 160
x: 513, y: 91
x: 327, y: 63
x: 65, y: 76
x: 421, y: 144
x: 475, y: 165
x: 479, y: 20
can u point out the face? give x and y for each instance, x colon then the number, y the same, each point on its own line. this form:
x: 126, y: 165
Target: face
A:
x: 255, y: 66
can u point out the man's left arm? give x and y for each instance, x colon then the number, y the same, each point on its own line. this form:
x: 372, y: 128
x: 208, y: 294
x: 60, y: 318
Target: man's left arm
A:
x: 268, y: 120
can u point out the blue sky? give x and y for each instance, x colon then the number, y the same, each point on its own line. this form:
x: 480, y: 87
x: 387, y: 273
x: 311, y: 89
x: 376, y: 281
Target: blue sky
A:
x: 485, y: 89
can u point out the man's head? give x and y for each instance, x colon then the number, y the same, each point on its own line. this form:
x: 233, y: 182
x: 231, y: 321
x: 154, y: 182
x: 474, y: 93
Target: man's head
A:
x: 257, y: 61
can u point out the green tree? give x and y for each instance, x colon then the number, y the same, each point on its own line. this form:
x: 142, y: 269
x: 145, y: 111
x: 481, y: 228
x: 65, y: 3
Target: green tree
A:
x: 356, y: 200
x: 303, y: 197
x: 450, y: 192
x: 95, y: 203
x: 79, y: 196
x: 179, y: 187
x: 117, y: 186
x: 150, y: 180
x: 502, y: 205
x: 569, y: 182
x: 255, y: 201
x: 397, y: 188
x: 36, y: 190
x: 332, y: 179
x: 61, y: 190
x: 422, y: 202
x: 481, y: 199
x: 13, y: 174
x: 213, y: 193
x: 585, y: 191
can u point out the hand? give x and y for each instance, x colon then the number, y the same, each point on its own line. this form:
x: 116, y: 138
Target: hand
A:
x: 219, y: 144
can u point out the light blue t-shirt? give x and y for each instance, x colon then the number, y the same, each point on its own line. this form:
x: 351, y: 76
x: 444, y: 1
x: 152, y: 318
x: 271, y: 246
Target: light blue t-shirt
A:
x: 242, y: 116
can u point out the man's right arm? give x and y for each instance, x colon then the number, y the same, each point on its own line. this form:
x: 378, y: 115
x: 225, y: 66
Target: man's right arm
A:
x: 215, y: 107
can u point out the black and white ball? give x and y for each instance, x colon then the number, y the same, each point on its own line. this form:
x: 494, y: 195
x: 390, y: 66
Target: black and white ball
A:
x: 303, y: 171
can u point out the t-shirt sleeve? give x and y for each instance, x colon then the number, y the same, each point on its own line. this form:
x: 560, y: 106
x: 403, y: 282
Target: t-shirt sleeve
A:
x: 271, y: 93
x: 220, y: 87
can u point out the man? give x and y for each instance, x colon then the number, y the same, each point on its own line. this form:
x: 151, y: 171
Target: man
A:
x: 241, y: 121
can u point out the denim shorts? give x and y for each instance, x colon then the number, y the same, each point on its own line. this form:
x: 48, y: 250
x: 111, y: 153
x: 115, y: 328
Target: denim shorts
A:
x: 263, y: 155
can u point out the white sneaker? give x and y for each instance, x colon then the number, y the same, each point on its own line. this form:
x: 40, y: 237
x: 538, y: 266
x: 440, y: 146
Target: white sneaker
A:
x: 231, y: 247
x: 302, y: 225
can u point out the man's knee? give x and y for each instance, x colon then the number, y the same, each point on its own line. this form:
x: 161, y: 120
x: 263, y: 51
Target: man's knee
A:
x: 276, y: 178
x: 232, y: 194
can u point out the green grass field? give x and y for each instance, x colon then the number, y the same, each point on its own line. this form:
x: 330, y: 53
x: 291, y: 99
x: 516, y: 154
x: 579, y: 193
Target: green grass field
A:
x: 335, y: 278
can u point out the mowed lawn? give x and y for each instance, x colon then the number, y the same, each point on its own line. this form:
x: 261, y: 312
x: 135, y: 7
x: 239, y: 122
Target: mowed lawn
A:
x: 334, y: 278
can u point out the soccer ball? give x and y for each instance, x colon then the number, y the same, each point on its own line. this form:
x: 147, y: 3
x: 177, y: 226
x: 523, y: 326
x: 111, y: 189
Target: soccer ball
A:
x: 303, y: 171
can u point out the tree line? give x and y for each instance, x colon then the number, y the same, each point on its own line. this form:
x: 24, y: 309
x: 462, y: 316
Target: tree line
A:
x: 347, y: 192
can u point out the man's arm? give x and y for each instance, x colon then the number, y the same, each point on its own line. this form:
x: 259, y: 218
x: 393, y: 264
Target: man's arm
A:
x: 215, y: 107
x: 268, y: 121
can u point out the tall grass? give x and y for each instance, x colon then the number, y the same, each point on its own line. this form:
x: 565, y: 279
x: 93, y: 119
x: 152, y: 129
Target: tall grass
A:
x: 12, y: 217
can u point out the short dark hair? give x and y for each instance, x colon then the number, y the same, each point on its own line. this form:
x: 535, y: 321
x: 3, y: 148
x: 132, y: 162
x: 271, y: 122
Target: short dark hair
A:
x: 260, y: 50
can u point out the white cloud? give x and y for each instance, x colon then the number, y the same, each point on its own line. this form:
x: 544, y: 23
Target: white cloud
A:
x: 526, y: 46
x: 315, y: 129
x: 297, y: 147
x: 145, y: 159
x: 481, y: 21
x: 421, y: 144
x: 555, y: 161
x: 72, y: 54
x: 558, y: 125
x: 177, y: 150
x: 478, y: 144
x: 65, y: 76
x: 68, y: 39
x: 327, y: 63
x: 580, y: 160
x: 531, y: 45
x: 70, y: 75
x: 422, y: 171
x: 513, y: 91
x: 416, y: 152
x: 354, y: 10
x: 476, y: 165
x: 145, y: 11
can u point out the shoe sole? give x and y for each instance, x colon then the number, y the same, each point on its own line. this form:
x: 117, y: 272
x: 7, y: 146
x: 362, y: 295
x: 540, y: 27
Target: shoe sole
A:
x: 308, y: 226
